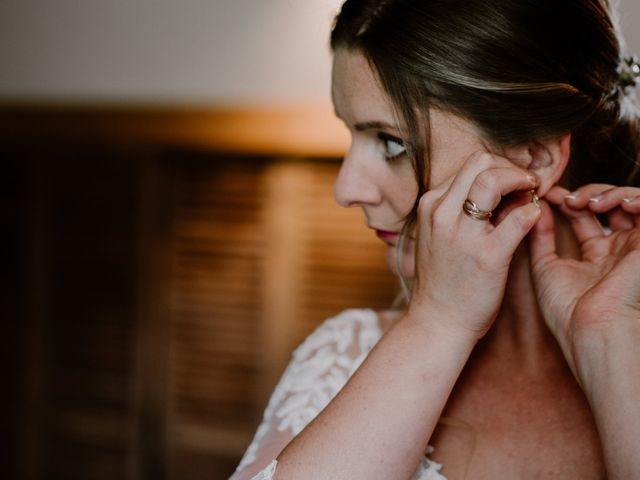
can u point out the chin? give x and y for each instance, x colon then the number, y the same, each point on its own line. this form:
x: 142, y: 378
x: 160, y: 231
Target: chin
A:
x: 408, y: 261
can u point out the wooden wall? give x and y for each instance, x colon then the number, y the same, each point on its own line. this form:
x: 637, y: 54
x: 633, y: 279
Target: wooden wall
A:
x: 157, y: 278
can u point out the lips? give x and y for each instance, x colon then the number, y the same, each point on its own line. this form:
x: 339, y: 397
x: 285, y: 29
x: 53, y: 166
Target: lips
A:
x: 386, y: 236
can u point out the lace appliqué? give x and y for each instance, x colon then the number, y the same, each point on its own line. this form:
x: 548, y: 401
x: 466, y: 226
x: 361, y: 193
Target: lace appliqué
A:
x: 267, y: 473
x: 427, y: 469
x: 319, y: 368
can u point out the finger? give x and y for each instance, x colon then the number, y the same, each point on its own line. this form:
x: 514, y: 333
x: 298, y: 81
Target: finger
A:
x: 459, y: 190
x: 556, y: 195
x: 603, y: 198
x: 628, y: 266
x: 612, y: 198
x: 584, y: 223
x: 620, y: 220
x: 432, y: 197
x: 542, y: 239
x: 446, y: 185
x: 492, y: 184
x: 631, y: 205
x: 515, y: 226
x: 429, y: 202
x: 580, y: 198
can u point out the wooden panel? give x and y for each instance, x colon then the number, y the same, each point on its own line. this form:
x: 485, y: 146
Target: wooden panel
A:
x: 216, y: 274
x: 15, y: 282
x: 164, y: 291
x: 261, y: 255
x: 87, y: 371
x: 306, y: 130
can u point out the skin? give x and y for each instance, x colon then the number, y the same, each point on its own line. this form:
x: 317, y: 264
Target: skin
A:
x: 532, y: 343
x: 518, y: 335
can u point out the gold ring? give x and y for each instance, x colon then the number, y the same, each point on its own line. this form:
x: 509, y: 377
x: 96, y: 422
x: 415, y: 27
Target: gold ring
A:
x: 470, y: 208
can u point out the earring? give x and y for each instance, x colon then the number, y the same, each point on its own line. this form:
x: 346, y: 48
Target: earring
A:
x: 534, y: 197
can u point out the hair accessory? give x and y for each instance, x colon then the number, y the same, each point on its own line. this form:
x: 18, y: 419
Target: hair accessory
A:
x: 470, y: 208
x: 628, y: 72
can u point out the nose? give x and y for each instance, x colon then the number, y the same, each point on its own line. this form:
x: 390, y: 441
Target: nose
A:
x: 356, y: 185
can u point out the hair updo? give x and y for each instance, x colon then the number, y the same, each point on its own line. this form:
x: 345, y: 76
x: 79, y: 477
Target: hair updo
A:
x: 522, y: 71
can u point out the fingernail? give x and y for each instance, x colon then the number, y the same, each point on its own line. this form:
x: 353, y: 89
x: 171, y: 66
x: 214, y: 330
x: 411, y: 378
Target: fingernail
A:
x: 571, y: 196
x: 595, y: 199
x: 627, y: 200
x: 533, y: 179
x: 634, y: 201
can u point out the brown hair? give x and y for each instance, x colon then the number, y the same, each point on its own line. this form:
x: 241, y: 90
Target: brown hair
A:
x: 522, y: 71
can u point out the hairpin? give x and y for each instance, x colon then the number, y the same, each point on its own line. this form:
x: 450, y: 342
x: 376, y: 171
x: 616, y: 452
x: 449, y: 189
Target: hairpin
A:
x: 628, y: 72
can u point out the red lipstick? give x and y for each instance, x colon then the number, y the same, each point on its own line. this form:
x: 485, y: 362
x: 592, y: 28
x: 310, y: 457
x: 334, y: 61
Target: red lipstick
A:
x: 386, y: 236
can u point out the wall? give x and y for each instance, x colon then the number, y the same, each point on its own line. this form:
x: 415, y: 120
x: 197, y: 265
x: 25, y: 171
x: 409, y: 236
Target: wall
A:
x: 188, y: 52
x: 192, y: 51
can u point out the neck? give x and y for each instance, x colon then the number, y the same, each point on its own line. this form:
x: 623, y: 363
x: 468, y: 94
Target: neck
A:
x: 519, y: 332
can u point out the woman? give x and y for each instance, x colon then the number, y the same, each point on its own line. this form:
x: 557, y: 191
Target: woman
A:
x: 484, y: 136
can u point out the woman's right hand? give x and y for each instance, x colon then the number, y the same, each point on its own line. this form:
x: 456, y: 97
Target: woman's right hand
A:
x: 462, y: 263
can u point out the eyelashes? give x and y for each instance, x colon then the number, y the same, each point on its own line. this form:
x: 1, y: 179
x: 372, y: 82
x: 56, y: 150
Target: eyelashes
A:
x: 394, y: 147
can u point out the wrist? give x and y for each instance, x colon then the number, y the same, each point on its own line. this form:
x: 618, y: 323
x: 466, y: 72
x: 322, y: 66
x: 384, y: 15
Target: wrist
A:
x: 606, y: 353
x: 443, y: 326
x: 608, y: 366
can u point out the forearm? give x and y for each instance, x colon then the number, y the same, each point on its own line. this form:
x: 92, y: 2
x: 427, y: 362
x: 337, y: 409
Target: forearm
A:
x: 379, y: 425
x: 610, y: 375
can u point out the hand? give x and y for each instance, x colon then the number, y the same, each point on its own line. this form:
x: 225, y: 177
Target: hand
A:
x: 461, y: 262
x: 620, y: 204
x: 601, y: 289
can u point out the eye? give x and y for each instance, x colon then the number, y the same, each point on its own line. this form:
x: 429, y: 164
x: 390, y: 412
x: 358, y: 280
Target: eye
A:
x: 393, y: 146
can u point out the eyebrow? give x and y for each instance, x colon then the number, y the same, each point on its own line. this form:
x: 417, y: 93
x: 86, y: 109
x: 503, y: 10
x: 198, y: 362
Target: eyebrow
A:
x: 374, y: 125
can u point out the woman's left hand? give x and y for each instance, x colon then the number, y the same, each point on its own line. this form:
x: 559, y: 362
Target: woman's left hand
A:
x: 600, y: 290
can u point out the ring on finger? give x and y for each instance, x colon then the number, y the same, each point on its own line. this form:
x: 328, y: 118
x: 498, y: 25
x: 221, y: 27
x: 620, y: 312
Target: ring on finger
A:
x: 471, y: 209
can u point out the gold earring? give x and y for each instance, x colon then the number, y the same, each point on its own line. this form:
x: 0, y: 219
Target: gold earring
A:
x: 534, y: 197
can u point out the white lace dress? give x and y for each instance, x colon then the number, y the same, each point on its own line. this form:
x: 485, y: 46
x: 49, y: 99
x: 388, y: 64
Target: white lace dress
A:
x: 319, y: 368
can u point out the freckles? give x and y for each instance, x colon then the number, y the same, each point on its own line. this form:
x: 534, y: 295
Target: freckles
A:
x: 441, y: 171
x: 453, y: 141
x: 404, y: 195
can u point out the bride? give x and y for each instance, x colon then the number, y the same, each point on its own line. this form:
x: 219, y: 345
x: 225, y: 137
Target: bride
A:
x: 486, y: 137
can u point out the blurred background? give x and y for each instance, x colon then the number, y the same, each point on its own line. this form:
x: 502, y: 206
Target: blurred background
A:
x: 170, y: 230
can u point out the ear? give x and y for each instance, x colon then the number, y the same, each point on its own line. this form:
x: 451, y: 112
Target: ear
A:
x: 548, y: 161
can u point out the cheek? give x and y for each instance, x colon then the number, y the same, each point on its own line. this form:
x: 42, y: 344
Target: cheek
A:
x: 446, y: 162
x: 441, y: 171
x: 402, y: 190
